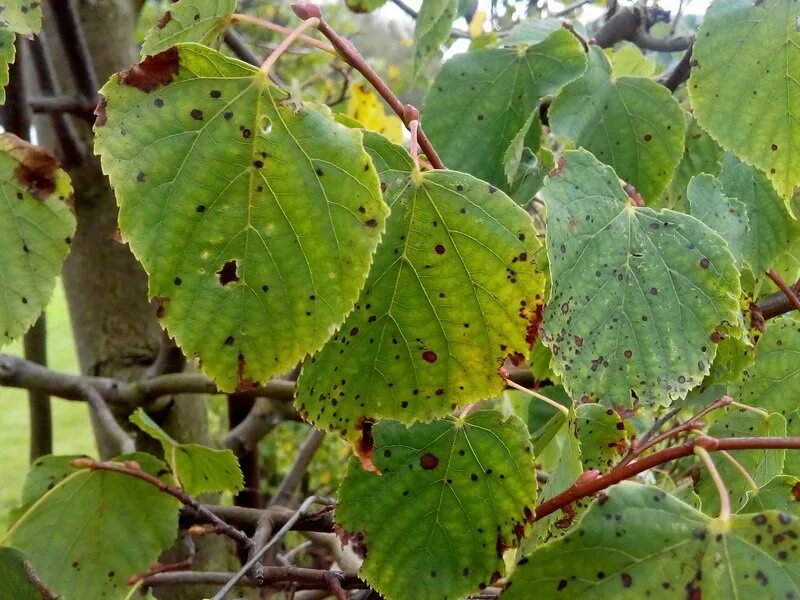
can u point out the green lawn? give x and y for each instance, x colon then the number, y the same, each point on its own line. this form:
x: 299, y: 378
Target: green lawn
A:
x: 72, y: 431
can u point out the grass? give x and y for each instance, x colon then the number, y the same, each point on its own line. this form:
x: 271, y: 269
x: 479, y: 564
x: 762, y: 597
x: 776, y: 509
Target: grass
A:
x: 72, y: 431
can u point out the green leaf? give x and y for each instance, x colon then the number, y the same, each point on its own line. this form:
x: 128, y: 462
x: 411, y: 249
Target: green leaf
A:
x: 73, y: 533
x: 771, y: 383
x: 603, y: 436
x: 433, y: 24
x: 529, y: 136
x: 701, y: 154
x: 451, y: 294
x: 14, y: 582
x: 255, y: 217
x: 198, y: 468
x: 45, y: 473
x: 772, y: 228
x: 636, y: 294
x: 363, y: 6
x: 762, y: 465
x: 531, y: 31
x: 36, y: 228
x: 744, y: 87
x: 727, y: 216
x: 779, y: 493
x: 22, y: 17
x: 641, y: 542
x: 628, y: 59
x: 488, y: 95
x: 201, y: 21
x: 630, y: 123
x: 453, y: 495
x: 533, y: 168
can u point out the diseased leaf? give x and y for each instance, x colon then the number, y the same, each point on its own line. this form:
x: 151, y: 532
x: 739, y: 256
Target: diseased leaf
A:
x: 452, y: 496
x: 72, y: 534
x: 198, y: 468
x: 640, y: 542
x: 701, y: 154
x: 488, y: 95
x: 603, y: 436
x: 451, y: 295
x: 45, y: 473
x: 744, y: 87
x: 762, y: 465
x: 780, y: 493
x: 22, y: 17
x: 632, y: 124
x: 14, y: 582
x: 36, y: 229
x: 201, y: 21
x: 772, y: 229
x: 636, y: 296
x: 255, y: 217
x: 727, y: 216
x: 433, y: 24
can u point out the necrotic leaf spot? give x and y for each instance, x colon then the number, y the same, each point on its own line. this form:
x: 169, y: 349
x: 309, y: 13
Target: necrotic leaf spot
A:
x: 227, y: 274
x: 428, y: 461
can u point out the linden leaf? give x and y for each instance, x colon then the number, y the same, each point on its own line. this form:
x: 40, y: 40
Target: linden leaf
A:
x: 727, y: 216
x: 744, y: 88
x: 452, y: 497
x: 640, y: 542
x: 488, y: 95
x: 362, y: 6
x: 198, y: 468
x: 636, y: 296
x: 779, y: 493
x: 628, y: 59
x: 365, y: 108
x: 632, y: 124
x: 36, y: 229
x: 452, y: 292
x: 79, y: 556
x: 22, y: 17
x: 201, y: 21
x: 432, y: 29
x: 254, y: 217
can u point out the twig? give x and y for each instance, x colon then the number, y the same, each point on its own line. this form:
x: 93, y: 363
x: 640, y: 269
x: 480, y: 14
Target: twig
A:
x: 789, y: 292
x: 679, y: 73
x: 352, y: 57
x: 583, y: 488
x: 107, y: 421
x: 257, y: 556
x: 33, y: 577
x: 538, y: 396
x: 302, y: 577
x: 777, y: 303
x: 76, y: 50
x: 306, y: 39
x: 237, y: 45
x: 298, y: 469
x: 63, y: 104
x: 132, y: 469
x: 160, y: 568
x: 753, y: 409
x: 40, y: 409
x: 739, y: 467
x: 248, y: 518
x: 724, y: 495
x: 286, y: 42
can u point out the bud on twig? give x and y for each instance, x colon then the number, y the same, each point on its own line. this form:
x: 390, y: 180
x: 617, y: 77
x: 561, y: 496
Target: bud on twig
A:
x: 306, y: 10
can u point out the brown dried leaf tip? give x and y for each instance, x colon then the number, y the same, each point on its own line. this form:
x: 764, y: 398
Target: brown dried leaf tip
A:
x: 365, y: 445
x: 153, y: 72
x: 36, y: 169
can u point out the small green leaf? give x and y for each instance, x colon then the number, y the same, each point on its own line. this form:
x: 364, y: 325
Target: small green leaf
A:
x: 433, y: 24
x: 701, y: 154
x: 198, y: 468
x: 628, y: 59
x: 762, y: 465
x: 727, y: 216
x: 14, y: 582
x: 772, y: 229
x: 744, y: 87
x: 201, y: 21
x: 453, y: 495
x: 452, y: 293
x: 488, y: 95
x: 255, y: 217
x: 640, y: 542
x: 529, y: 136
x: 72, y: 534
x: 636, y: 295
x: 22, y: 17
x: 779, y: 493
x: 36, y: 229
x: 630, y: 123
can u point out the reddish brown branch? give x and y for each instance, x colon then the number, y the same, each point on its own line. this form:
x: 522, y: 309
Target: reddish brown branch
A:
x: 581, y: 489
x: 790, y: 293
x: 353, y: 57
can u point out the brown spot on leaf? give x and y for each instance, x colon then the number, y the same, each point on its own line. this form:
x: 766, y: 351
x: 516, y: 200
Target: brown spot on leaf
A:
x: 36, y: 167
x: 428, y: 461
x: 165, y: 18
x: 429, y: 356
x: 227, y: 274
x: 365, y: 445
x: 153, y: 72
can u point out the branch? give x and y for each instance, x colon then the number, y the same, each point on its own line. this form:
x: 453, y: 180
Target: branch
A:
x: 36, y: 581
x: 132, y: 469
x: 63, y: 104
x: 778, y: 303
x: 583, y: 488
x: 295, y: 473
x: 353, y: 57
x: 76, y: 50
x: 39, y: 407
x: 633, y: 24
x: 242, y: 51
x: 106, y: 419
x: 302, y: 577
x: 790, y: 294
x: 248, y: 518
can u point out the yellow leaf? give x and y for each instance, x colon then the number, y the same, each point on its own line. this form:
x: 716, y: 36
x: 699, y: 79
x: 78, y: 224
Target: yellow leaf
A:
x: 365, y: 108
x: 476, y: 25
